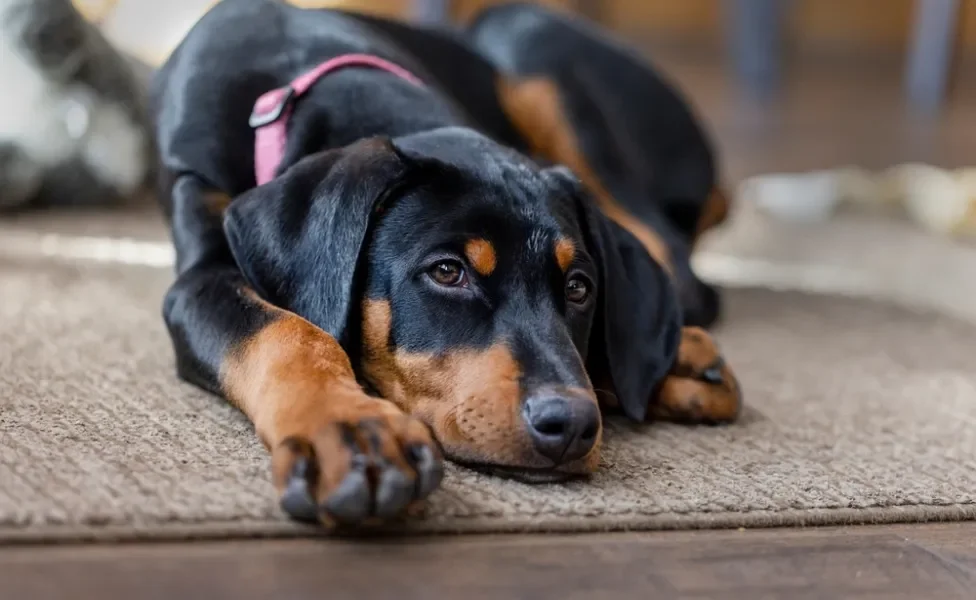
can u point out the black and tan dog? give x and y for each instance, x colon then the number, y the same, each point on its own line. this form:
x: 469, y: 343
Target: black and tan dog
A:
x: 372, y: 269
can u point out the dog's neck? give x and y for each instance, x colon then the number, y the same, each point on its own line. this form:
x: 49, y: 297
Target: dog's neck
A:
x: 358, y: 103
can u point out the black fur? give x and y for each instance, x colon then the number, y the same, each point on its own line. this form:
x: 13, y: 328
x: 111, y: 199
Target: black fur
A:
x: 298, y: 238
x: 638, y: 318
x: 379, y: 178
x: 635, y: 128
x: 474, y: 188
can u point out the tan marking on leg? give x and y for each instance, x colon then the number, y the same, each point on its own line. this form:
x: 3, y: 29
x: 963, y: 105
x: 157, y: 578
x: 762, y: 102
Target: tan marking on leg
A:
x: 565, y: 251
x: 481, y: 255
x: 701, y: 388
x: 278, y: 376
x: 296, y: 384
x: 536, y: 110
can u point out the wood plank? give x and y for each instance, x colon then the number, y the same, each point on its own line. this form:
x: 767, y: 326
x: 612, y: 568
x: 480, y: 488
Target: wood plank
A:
x: 953, y: 542
x: 867, y: 562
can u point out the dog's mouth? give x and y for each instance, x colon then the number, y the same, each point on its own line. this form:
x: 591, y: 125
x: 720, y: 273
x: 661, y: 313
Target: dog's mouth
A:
x: 522, y: 474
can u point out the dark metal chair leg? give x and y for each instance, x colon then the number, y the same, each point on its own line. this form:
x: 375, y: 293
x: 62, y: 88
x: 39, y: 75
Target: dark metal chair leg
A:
x: 755, y: 29
x: 930, y: 54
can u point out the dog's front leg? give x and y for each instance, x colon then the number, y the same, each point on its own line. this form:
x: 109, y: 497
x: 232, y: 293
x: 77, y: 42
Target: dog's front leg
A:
x: 338, y: 454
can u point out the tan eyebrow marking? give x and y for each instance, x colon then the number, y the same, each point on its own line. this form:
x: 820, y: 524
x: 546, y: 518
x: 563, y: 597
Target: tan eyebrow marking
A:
x: 565, y: 253
x: 482, y: 256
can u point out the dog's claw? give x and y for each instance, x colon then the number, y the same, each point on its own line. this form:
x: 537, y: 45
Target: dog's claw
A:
x: 297, y: 500
x: 394, y: 491
x: 357, y: 471
x: 430, y: 470
x: 712, y: 375
x: 351, y: 501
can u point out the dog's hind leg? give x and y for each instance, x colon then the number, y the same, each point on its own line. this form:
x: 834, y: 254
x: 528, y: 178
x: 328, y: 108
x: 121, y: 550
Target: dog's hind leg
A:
x: 701, y: 388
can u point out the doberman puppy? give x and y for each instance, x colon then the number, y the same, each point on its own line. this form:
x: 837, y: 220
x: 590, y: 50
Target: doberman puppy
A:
x: 373, y: 270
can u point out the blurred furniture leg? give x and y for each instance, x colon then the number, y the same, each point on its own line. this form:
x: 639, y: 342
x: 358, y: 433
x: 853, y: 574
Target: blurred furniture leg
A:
x: 591, y: 9
x: 755, y: 31
x: 431, y: 12
x: 931, y: 53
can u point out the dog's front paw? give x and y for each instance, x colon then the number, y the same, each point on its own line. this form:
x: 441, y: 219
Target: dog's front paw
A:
x: 368, y: 463
x: 701, y: 388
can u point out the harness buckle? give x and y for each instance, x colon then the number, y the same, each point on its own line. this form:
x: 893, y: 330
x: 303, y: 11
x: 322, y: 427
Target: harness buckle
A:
x: 270, y: 106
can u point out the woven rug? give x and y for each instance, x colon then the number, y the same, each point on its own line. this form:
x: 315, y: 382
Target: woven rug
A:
x: 858, y: 412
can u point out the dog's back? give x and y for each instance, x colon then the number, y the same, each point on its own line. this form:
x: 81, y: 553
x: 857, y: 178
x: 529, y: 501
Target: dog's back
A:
x: 638, y: 132
x: 589, y: 101
x: 459, y: 70
x: 257, y: 45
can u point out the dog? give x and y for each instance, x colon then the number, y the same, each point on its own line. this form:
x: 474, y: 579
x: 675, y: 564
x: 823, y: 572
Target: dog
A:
x: 74, y: 128
x: 583, y: 99
x: 383, y: 261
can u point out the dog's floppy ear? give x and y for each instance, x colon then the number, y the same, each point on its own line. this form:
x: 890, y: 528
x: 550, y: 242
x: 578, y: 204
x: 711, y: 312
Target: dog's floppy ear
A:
x: 637, y: 327
x: 298, y: 238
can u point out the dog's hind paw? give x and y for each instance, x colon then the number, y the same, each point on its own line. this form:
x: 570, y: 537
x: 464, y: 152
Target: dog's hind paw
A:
x: 701, y: 388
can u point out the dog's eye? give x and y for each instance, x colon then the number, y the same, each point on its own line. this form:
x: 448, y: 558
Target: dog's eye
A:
x: 576, y: 290
x: 448, y: 273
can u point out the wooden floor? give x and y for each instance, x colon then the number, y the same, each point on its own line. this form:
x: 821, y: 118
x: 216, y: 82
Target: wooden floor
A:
x: 826, y: 117
x: 886, y: 563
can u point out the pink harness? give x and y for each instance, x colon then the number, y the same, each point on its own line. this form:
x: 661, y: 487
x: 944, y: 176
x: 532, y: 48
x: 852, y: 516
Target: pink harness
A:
x: 272, y: 110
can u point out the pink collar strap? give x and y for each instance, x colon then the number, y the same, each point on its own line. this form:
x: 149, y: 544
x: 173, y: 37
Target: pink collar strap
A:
x: 269, y: 118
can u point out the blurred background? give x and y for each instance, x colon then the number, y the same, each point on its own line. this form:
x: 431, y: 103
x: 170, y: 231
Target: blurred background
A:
x: 824, y: 103
x: 783, y: 84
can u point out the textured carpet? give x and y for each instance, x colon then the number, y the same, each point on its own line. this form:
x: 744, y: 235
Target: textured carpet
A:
x: 857, y: 412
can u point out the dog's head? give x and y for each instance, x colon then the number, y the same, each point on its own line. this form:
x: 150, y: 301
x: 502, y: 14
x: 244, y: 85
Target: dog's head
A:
x: 480, y: 292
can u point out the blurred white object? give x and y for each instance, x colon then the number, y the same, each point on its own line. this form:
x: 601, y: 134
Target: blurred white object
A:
x: 860, y: 187
x: 940, y: 200
x: 794, y: 197
x: 967, y: 181
x: 932, y: 196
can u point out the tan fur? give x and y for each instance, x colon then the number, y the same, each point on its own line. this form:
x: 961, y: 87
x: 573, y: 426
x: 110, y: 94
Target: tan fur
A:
x: 714, y: 212
x: 216, y: 202
x: 683, y: 396
x: 297, y: 386
x: 565, y: 251
x: 470, y: 399
x: 535, y: 108
x: 481, y: 255
x: 290, y: 376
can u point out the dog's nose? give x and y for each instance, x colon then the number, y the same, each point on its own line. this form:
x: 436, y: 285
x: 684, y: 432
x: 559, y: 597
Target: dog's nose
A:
x: 563, y: 428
